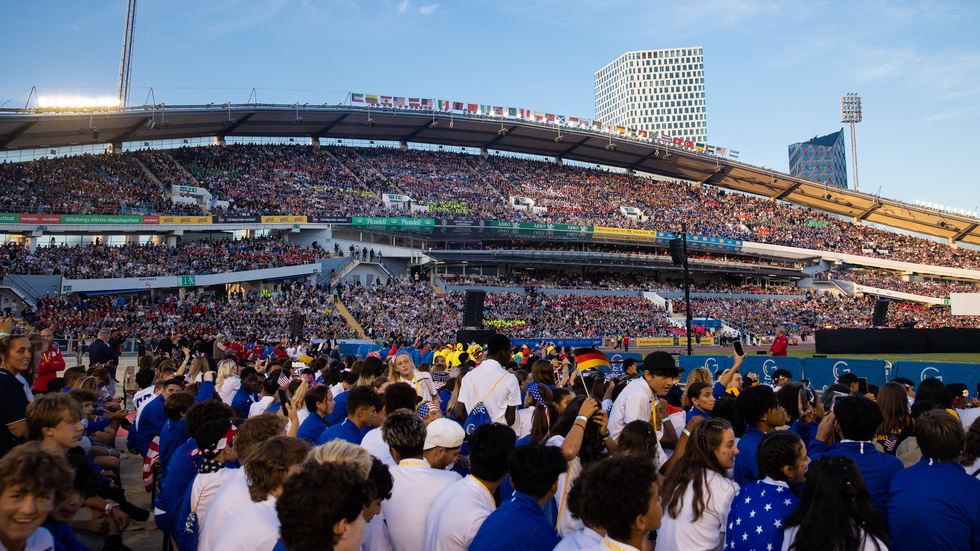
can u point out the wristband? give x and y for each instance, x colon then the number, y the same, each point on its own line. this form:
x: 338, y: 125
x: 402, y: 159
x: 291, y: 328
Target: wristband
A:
x: 687, y: 432
x: 109, y: 507
x: 582, y: 417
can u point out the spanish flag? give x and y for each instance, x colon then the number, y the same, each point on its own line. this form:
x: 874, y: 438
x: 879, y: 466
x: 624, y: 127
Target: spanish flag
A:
x: 591, y: 358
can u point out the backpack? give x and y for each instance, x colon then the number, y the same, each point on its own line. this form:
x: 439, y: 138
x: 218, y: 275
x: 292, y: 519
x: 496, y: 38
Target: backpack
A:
x: 479, y: 415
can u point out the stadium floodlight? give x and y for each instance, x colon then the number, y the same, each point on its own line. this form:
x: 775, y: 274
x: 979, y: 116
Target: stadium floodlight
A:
x: 850, y: 112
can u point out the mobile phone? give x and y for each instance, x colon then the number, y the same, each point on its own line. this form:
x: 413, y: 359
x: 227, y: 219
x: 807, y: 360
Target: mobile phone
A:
x: 283, y: 397
x: 738, y: 348
x: 836, y: 396
x: 862, y: 385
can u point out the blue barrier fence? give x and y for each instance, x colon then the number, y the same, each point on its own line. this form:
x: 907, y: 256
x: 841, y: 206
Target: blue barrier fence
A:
x: 968, y: 374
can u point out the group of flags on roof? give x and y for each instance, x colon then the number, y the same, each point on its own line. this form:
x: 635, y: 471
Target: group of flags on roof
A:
x: 547, y: 118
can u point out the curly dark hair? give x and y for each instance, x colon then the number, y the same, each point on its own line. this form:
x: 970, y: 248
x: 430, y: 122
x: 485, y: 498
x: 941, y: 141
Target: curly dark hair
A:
x: 592, y: 442
x: 752, y: 403
x: 315, y: 499
x: 777, y: 450
x: 205, y: 411
x: 614, y: 491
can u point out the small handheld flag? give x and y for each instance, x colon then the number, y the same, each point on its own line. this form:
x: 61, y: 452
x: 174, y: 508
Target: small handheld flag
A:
x: 591, y: 358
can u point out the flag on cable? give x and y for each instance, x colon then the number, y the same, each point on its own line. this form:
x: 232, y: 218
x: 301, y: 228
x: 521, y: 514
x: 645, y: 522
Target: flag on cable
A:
x: 385, y: 100
x: 709, y: 148
x: 511, y: 111
x: 472, y: 107
x: 399, y: 102
x: 426, y: 103
x: 678, y: 141
x: 688, y: 144
x: 538, y: 116
x: 597, y: 125
x: 413, y: 102
x: 665, y: 138
x: 371, y: 99
x: 498, y: 111
x: 733, y: 154
x: 643, y: 134
x: 357, y: 98
x: 699, y: 146
x: 573, y: 121
x: 720, y: 151
x: 562, y: 119
x: 591, y: 358
x: 485, y: 109
x: 458, y: 106
x: 443, y: 105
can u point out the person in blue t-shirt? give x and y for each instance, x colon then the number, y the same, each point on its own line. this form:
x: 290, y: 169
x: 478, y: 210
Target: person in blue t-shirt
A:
x: 759, y: 510
x: 856, y: 419
x: 362, y: 405
x: 757, y: 414
x: 521, y: 524
x: 319, y: 402
x: 152, y: 417
x: 702, y: 400
x: 935, y: 504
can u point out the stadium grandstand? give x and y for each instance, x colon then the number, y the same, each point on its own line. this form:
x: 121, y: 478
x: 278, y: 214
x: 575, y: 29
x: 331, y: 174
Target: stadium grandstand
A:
x: 373, y: 222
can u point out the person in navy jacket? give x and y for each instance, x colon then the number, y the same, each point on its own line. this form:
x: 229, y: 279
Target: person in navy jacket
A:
x: 521, y: 524
x: 152, y: 418
x: 856, y: 419
x: 935, y: 504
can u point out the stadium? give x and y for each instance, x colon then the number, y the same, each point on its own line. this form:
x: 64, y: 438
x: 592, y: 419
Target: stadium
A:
x: 335, y: 273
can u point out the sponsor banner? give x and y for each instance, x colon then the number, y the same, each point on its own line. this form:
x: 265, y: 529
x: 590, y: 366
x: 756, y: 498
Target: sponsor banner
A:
x: 9, y: 218
x: 96, y: 219
x: 968, y: 374
x: 185, y: 219
x: 764, y: 366
x: 711, y: 363
x: 446, y: 222
x: 235, y: 219
x: 394, y: 198
x: 39, y: 219
x: 541, y: 226
x: 655, y: 341
x: 283, y: 219
x: 154, y: 219
x: 705, y: 340
x: 823, y: 372
x: 406, y: 222
x: 574, y: 343
x: 624, y: 232
x: 187, y: 189
x: 329, y: 219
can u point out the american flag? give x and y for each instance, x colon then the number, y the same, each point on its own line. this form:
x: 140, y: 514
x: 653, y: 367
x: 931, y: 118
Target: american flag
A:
x: 283, y: 380
x: 758, y: 515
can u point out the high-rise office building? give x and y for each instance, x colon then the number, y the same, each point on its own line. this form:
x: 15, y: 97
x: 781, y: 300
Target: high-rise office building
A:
x: 820, y: 159
x: 660, y: 91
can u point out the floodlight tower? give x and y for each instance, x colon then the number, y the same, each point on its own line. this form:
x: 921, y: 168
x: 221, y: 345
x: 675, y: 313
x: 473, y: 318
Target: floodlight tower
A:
x: 126, y: 64
x: 850, y: 112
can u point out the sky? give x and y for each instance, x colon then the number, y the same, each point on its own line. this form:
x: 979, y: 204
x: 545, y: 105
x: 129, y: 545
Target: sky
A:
x: 774, y: 70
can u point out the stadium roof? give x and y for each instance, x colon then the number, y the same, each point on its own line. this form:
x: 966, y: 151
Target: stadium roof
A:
x: 53, y: 128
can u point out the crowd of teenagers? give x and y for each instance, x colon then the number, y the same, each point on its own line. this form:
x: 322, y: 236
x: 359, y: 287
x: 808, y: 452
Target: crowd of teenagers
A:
x: 313, y: 181
x: 495, y: 448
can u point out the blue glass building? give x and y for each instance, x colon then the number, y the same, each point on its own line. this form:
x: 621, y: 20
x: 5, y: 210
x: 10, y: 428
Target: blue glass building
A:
x: 820, y: 159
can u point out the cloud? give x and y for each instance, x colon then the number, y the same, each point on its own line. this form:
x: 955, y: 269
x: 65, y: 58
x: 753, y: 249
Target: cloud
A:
x: 428, y: 10
x: 402, y: 7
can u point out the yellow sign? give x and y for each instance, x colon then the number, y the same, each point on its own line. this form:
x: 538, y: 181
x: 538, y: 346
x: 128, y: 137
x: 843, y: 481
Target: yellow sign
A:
x: 655, y: 341
x: 283, y: 219
x: 185, y: 219
x: 624, y: 231
x: 704, y: 340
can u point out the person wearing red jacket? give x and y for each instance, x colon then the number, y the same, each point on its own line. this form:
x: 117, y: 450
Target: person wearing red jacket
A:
x: 779, y: 345
x: 49, y: 366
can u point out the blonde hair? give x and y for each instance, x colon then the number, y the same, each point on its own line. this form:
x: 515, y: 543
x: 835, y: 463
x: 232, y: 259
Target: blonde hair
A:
x: 198, y: 365
x: 299, y: 397
x: 393, y: 374
x: 226, y: 370
x: 341, y: 451
x: 700, y: 374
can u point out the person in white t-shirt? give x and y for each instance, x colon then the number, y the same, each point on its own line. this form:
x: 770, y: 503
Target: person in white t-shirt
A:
x: 416, y: 483
x: 696, y: 517
x: 404, y: 372
x: 255, y: 526
x: 396, y: 396
x: 443, y: 441
x: 460, y: 509
x: 233, y: 494
x: 619, y: 497
x: 29, y: 479
x: 215, y: 440
x: 657, y: 374
x: 491, y: 384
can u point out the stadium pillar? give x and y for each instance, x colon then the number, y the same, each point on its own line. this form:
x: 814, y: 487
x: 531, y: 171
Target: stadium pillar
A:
x: 687, y: 290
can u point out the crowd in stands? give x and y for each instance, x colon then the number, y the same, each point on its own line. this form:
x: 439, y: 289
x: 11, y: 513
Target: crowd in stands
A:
x: 133, y: 260
x: 87, y: 184
x: 258, y: 453
x: 300, y: 180
x: 242, y: 315
x: 881, y: 279
x: 611, y: 281
x: 165, y: 168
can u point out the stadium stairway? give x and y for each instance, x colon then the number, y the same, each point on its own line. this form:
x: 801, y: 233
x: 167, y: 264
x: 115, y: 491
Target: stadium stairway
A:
x: 493, y: 167
x: 163, y: 188
x: 343, y: 311
x: 180, y: 167
x: 349, y: 171
x: 383, y: 177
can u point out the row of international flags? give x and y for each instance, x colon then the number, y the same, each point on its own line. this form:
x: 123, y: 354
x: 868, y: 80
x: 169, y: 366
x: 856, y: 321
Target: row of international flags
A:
x: 516, y: 112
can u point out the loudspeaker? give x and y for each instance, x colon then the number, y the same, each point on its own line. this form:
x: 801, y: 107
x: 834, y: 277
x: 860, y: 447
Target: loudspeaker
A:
x: 296, y: 323
x: 880, y: 316
x: 677, y: 251
x: 473, y: 309
x: 479, y: 336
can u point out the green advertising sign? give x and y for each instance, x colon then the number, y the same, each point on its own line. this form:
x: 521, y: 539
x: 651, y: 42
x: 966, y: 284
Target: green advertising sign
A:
x: 96, y: 219
x: 8, y: 218
x: 404, y: 222
x: 188, y: 281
